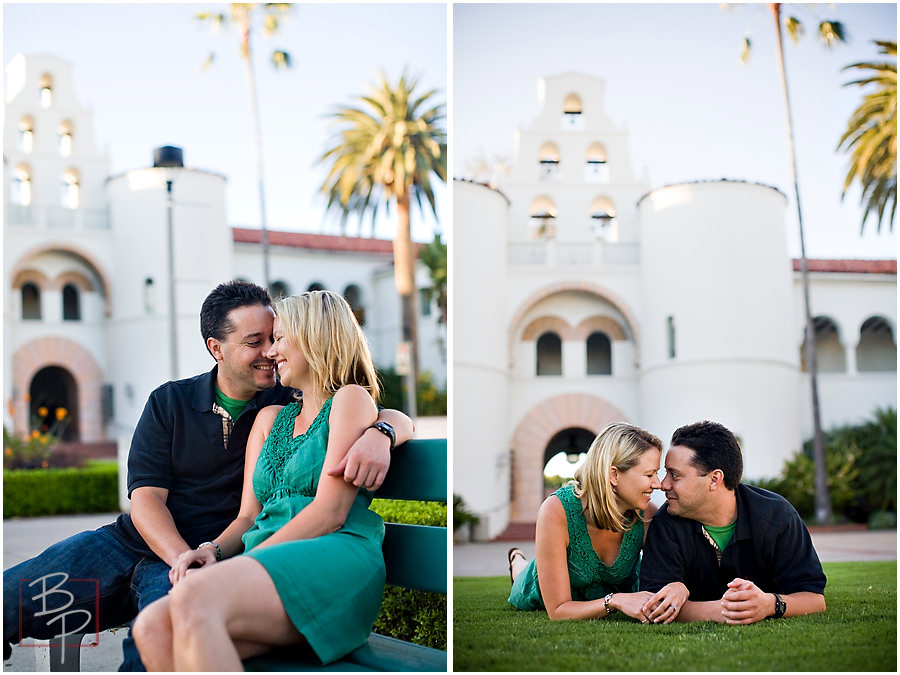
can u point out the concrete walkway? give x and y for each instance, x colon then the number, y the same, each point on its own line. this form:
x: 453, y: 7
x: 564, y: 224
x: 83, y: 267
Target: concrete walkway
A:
x: 24, y: 538
x: 489, y: 559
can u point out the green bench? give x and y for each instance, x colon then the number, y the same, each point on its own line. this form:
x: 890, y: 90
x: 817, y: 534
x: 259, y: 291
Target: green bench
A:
x: 415, y: 557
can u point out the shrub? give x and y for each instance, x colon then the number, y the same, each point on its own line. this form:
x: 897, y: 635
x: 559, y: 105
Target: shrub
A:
x: 415, y: 616
x: 430, y: 401
x: 461, y: 513
x: 861, y: 470
x: 47, y: 492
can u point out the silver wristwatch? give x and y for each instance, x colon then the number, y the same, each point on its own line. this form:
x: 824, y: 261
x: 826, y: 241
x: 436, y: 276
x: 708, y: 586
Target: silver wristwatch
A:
x: 212, y: 543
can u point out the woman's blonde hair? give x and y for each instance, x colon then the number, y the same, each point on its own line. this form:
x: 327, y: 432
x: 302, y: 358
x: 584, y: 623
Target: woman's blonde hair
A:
x: 325, y: 329
x: 619, y: 445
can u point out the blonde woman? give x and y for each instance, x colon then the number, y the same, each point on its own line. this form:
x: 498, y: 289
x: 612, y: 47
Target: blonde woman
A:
x: 589, y: 537
x: 302, y: 562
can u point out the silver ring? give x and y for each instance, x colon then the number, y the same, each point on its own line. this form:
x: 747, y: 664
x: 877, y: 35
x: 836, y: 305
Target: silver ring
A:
x: 675, y: 607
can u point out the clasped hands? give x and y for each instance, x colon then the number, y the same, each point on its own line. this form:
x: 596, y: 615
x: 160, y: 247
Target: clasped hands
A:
x: 189, y: 560
x: 660, y: 607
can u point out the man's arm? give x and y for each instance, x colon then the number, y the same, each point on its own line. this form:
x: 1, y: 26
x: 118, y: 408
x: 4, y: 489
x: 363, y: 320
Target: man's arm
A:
x: 152, y: 519
x: 744, y: 602
x: 366, y: 463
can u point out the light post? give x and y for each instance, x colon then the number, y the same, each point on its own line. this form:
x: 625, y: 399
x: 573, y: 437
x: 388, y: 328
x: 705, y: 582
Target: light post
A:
x: 173, y: 339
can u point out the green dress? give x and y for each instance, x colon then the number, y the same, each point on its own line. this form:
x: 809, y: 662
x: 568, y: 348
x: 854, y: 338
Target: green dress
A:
x: 589, y: 577
x: 331, y: 586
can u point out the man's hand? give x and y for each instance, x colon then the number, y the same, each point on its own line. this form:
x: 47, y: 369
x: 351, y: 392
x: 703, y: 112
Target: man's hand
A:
x: 187, y: 561
x: 745, y: 603
x: 366, y: 462
x: 665, y: 604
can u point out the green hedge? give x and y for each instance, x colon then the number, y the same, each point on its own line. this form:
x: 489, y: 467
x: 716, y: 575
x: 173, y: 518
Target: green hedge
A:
x: 415, y: 616
x: 48, y: 492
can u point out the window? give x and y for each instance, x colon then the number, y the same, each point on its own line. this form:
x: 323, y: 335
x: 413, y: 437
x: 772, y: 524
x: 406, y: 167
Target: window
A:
x: 70, y: 195
x: 548, y: 161
x: 542, y: 218
x: 46, y: 90
x: 596, y: 168
x: 26, y: 134
x: 21, y: 185
x: 425, y: 301
x: 829, y: 350
x: 316, y: 286
x: 64, y: 139
x: 278, y: 289
x: 353, y: 296
x: 877, y: 350
x: 31, y: 301
x: 71, y: 303
x: 603, y: 218
x: 599, y: 354
x: 670, y: 333
x: 549, y: 354
x: 572, y: 118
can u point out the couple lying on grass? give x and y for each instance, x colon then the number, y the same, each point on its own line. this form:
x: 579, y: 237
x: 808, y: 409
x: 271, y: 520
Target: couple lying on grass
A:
x: 718, y: 550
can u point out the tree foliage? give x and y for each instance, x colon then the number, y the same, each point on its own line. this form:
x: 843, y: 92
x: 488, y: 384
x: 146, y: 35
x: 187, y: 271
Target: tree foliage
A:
x: 871, y: 138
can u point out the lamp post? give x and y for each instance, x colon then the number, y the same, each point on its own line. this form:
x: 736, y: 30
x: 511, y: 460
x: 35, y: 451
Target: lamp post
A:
x: 173, y: 339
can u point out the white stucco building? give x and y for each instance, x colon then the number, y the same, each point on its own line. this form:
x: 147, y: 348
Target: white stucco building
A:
x: 86, y: 321
x: 582, y: 297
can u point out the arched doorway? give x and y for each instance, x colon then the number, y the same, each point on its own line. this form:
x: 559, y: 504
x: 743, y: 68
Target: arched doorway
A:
x: 564, y: 453
x: 544, y: 427
x: 53, y: 402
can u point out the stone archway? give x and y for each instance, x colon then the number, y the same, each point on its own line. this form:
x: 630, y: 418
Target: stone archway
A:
x: 534, y: 432
x: 38, y: 354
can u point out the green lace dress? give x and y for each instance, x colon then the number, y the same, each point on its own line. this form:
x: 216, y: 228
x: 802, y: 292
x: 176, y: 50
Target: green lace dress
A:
x: 331, y: 586
x: 589, y: 577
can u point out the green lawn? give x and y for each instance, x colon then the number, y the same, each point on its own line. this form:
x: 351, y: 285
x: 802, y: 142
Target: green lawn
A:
x: 857, y: 633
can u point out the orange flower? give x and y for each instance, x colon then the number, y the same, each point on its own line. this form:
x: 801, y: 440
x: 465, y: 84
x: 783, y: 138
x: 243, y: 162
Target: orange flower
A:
x: 42, y: 411
x: 8, y: 452
x: 35, y: 433
x: 45, y: 464
x: 61, y: 414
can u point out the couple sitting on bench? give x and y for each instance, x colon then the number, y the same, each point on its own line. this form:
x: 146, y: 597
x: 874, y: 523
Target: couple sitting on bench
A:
x: 718, y: 550
x: 249, y: 524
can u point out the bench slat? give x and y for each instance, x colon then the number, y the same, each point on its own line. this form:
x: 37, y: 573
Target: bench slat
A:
x: 418, y: 471
x: 415, y: 556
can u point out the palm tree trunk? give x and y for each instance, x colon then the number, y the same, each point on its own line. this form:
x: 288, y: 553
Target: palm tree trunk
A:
x: 257, y: 142
x: 404, y: 278
x: 822, y: 500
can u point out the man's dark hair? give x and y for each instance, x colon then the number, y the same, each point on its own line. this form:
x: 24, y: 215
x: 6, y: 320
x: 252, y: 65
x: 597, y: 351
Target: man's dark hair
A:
x: 714, y: 448
x: 214, y: 321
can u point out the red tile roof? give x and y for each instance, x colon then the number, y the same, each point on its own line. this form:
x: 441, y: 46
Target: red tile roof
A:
x: 849, y: 266
x: 325, y: 242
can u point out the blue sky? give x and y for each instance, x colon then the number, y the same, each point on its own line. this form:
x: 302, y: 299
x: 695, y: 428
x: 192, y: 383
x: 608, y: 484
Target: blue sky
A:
x: 138, y: 66
x: 674, y: 82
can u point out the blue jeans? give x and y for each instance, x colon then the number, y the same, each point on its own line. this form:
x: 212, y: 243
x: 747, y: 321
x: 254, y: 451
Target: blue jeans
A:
x: 88, y: 582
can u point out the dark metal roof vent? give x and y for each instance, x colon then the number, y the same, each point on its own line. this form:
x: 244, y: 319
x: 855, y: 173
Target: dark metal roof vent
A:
x: 168, y: 155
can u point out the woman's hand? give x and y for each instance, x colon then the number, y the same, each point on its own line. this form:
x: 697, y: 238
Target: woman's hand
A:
x: 187, y: 561
x: 631, y: 604
x: 665, y: 604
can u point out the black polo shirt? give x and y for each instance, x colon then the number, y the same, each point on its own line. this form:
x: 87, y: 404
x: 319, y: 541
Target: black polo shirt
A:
x: 771, y: 547
x: 178, y: 445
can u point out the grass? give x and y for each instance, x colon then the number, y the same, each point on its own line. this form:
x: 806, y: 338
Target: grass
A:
x: 858, y: 632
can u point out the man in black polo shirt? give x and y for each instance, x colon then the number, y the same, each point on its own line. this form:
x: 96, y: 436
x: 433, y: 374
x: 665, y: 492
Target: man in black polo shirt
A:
x: 743, y: 552
x: 185, y: 474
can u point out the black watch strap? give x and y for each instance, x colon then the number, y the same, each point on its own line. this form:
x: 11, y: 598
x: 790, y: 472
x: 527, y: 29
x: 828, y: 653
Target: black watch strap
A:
x: 780, y: 607
x: 387, y: 430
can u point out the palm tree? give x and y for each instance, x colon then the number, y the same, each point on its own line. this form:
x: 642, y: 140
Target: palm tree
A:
x: 245, y: 16
x: 871, y: 137
x: 830, y: 32
x: 434, y: 256
x: 384, y: 150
